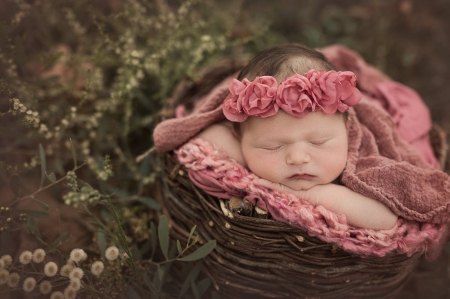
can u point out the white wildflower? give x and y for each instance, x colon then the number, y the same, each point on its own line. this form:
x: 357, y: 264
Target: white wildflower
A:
x: 112, y: 253
x: 3, y: 276
x: 13, y: 280
x: 50, y: 269
x: 38, y: 255
x: 76, y: 273
x: 45, y: 287
x: 29, y: 284
x: 25, y: 257
x: 97, y: 268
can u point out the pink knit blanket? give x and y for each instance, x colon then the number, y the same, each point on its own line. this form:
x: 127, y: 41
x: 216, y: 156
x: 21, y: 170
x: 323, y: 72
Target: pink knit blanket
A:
x: 217, y: 174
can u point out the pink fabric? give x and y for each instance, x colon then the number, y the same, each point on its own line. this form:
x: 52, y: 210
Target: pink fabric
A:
x: 410, y: 114
x: 298, y: 95
x: 405, y: 237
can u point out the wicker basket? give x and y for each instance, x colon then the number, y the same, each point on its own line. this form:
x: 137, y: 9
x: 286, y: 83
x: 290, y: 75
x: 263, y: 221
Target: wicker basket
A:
x: 263, y: 258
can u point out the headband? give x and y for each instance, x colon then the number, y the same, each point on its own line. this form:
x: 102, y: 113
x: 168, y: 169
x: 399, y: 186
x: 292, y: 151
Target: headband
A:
x: 298, y: 95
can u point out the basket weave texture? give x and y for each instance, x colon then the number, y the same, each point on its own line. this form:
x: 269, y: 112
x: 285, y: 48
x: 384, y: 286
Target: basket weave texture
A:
x: 264, y: 258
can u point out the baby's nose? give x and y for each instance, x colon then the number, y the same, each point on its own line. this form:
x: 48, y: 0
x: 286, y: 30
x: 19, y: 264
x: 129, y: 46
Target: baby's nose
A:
x: 297, y: 155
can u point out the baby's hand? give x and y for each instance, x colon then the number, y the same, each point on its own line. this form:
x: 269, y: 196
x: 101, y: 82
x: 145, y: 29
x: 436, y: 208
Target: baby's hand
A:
x: 360, y: 211
x: 312, y: 195
x: 282, y: 188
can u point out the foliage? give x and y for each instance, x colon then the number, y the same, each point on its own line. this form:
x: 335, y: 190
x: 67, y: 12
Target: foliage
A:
x: 81, y: 86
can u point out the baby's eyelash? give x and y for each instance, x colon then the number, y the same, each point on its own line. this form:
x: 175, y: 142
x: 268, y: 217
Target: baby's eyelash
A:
x: 272, y: 149
x: 318, y: 143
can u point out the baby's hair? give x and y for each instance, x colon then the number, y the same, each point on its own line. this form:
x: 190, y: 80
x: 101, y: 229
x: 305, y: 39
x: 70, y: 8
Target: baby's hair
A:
x: 284, y: 61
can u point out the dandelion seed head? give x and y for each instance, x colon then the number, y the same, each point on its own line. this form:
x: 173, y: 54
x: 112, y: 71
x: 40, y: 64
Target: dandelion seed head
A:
x: 25, y: 257
x: 7, y: 259
x: 57, y: 295
x: 50, y: 269
x: 3, y: 276
x: 75, y: 284
x: 65, y: 270
x: 76, y: 273
x: 77, y: 254
x: 2, y: 264
x: 97, y: 268
x: 70, y: 293
x: 13, y: 280
x: 45, y: 287
x: 38, y: 255
x: 29, y: 284
x: 112, y: 253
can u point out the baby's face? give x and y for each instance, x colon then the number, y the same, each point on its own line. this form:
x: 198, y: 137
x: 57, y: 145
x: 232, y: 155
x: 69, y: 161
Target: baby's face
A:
x: 296, y: 152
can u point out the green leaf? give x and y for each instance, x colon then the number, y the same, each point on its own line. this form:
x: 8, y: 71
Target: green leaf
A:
x: 153, y: 237
x: 32, y: 224
x: 14, y: 184
x: 44, y: 206
x: 151, y: 203
x: 179, y: 247
x: 43, y: 163
x: 190, y: 277
x: 163, y: 234
x: 145, y: 166
x: 195, y: 290
x: 74, y: 154
x: 60, y: 239
x: 204, y: 285
x: 131, y: 293
x: 51, y: 177
x: 101, y: 243
x: 34, y: 213
x: 201, y: 252
x: 190, y: 235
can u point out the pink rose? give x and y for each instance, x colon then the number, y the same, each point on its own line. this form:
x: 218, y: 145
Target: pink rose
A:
x: 350, y: 95
x: 333, y: 90
x: 293, y: 96
x: 324, y: 89
x: 259, y: 97
x: 232, y: 105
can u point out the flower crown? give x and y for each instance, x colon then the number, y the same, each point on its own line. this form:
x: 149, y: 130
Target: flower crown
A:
x: 298, y: 95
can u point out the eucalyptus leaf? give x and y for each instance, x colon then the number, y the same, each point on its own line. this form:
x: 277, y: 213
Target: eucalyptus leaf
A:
x: 32, y: 225
x: 163, y: 234
x: 190, y: 277
x: 153, y: 237
x: 145, y: 167
x: 204, y: 285
x: 44, y: 206
x: 179, y: 247
x: 190, y: 235
x: 151, y: 203
x: 60, y: 239
x: 43, y: 163
x: 51, y: 177
x: 200, y: 252
x: 195, y: 290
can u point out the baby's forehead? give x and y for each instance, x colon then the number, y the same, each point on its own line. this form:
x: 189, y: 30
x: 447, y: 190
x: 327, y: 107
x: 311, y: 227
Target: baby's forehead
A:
x: 285, y: 123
